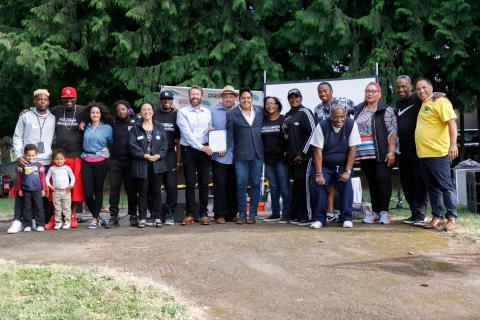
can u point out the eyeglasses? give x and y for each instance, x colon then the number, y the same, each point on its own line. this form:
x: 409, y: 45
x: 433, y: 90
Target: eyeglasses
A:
x: 371, y: 91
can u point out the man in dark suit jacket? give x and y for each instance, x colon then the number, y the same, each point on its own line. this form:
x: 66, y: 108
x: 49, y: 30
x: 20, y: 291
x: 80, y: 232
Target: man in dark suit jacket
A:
x: 244, y: 132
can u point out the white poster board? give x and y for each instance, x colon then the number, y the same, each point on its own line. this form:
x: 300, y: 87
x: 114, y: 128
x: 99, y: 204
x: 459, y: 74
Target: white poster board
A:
x: 211, y: 97
x: 352, y: 88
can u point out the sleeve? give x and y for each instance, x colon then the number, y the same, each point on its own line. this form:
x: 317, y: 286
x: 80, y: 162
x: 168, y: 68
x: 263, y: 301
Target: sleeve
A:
x: 72, y: 176
x: 164, y: 146
x: 350, y: 108
x: 43, y: 181
x: 109, y: 134
x: 49, y: 176
x: 445, y: 110
x: 135, y: 149
x: 230, y: 132
x: 390, y: 121
x: 186, y: 132
x: 317, y: 137
x: 308, y: 128
x: 18, y: 137
x: 354, y: 139
x: 19, y: 177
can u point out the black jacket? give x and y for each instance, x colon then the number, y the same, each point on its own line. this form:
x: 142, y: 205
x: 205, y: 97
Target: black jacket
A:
x: 379, y: 129
x: 298, y: 127
x: 121, y: 143
x: 139, y: 147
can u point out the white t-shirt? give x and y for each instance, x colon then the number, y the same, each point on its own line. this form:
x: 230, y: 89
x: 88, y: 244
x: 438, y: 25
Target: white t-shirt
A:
x: 318, y: 139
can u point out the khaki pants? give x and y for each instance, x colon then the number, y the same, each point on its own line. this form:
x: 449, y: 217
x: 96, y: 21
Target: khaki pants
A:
x: 62, y: 201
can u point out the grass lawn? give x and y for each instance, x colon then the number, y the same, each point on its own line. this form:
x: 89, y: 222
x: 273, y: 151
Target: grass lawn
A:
x: 57, y: 292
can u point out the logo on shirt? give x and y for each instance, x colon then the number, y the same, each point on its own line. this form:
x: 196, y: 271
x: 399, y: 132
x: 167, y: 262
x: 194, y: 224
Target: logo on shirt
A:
x: 426, y: 109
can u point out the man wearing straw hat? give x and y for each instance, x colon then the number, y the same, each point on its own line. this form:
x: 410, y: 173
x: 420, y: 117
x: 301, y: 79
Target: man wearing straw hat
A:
x: 223, y: 170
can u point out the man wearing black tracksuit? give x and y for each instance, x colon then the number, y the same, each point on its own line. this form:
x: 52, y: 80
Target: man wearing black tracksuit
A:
x: 166, y: 115
x: 120, y: 165
x: 298, y: 127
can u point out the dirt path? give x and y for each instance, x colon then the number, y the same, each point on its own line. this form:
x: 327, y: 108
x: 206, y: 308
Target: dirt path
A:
x: 272, y: 271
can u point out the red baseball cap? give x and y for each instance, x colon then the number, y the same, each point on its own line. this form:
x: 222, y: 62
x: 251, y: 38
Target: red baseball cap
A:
x: 69, y: 92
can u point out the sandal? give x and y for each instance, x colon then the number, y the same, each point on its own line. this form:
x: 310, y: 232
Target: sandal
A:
x: 141, y: 224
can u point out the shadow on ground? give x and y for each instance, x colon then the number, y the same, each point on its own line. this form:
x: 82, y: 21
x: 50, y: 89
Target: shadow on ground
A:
x: 271, y: 271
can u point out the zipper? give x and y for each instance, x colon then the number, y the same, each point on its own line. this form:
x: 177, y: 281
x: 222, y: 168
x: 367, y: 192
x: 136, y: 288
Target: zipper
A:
x: 377, y: 152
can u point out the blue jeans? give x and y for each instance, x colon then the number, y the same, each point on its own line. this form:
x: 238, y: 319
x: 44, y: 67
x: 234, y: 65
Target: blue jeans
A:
x: 345, y: 194
x: 436, y: 174
x: 279, y: 180
x: 248, y: 172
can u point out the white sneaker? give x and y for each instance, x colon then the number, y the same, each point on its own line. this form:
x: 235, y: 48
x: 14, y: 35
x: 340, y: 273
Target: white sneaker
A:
x: 347, y: 224
x: 16, y: 226
x: 316, y: 225
x: 27, y: 229
x: 58, y: 226
x: 40, y: 229
x: 66, y: 226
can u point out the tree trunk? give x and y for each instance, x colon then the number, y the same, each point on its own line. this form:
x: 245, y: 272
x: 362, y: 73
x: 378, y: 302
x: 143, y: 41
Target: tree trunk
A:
x: 5, y: 149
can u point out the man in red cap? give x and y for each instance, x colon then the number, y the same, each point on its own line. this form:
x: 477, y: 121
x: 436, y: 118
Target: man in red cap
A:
x: 68, y: 137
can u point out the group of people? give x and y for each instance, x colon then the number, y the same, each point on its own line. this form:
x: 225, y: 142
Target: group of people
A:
x: 308, y: 157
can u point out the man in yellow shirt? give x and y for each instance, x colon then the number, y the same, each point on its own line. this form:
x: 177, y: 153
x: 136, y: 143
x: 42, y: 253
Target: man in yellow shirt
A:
x: 436, y: 143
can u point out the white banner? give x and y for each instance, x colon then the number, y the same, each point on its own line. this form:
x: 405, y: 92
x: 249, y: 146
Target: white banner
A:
x: 352, y: 89
x: 211, y: 97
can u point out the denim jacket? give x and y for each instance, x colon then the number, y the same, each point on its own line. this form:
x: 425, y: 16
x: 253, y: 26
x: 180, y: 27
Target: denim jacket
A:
x: 95, y: 142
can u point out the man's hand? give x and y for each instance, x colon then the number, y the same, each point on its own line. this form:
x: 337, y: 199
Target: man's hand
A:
x: 20, y: 193
x: 390, y: 159
x: 207, y: 150
x: 453, y: 152
x: 147, y: 157
x: 52, y: 188
x: 155, y: 157
x: 298, y: 160
x: 21, y: 161
x: 344, y: 177
x: 43, y: 193
x: 319, y: 179
x: 24, y: 111
x: 81, y: 126
x: 221, y: 154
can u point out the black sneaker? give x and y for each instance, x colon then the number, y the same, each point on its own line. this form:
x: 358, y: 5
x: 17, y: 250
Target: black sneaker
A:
x: 272, y: 218
x: 150, y: 221
x: 112, y: 223
x: 410, y: 220
x: 133, y: 221
x: 304, y: 222
x: 293, y: 221
x: 419, y: 223
x: 283, y: 219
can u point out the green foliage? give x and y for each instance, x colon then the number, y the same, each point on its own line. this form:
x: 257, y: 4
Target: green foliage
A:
x: 112, y: 49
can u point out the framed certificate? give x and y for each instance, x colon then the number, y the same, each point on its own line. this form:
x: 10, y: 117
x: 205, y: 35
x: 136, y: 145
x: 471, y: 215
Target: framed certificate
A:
x: 217, y: 140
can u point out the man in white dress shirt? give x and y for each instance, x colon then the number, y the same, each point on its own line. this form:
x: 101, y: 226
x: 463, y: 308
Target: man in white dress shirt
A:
x: 194, y: 122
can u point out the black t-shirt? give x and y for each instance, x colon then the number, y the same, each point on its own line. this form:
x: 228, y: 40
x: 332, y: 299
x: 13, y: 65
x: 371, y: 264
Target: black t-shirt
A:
x: 67, y: 135
x: 407, y: 112
x: 169, y: 122
x: 273, y: 140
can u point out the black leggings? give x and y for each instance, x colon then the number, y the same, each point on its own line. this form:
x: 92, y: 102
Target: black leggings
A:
x: 93, y: 175
x: 379, y: 178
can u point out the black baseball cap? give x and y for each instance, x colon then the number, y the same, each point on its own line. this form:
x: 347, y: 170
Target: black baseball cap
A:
x: 166, y: 94
x: 294, y: 92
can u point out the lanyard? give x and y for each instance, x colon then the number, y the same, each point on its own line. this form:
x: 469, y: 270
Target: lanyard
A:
x: 41, y: 125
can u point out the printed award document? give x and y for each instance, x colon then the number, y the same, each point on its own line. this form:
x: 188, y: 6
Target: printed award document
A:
x: 217, y: 140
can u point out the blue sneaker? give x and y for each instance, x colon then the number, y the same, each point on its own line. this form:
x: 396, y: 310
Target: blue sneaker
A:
x: 385, y: 218
x: 371, y: 218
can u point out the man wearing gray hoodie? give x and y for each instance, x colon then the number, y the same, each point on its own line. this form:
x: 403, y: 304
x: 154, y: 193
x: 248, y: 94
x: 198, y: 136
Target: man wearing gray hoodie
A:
x: 35, y: 126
